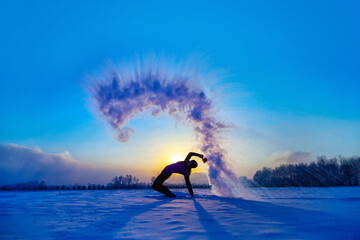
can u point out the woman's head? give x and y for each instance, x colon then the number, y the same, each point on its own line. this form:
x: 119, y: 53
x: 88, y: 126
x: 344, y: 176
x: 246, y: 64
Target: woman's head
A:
x: 190, y: 165
x: 193, y: 164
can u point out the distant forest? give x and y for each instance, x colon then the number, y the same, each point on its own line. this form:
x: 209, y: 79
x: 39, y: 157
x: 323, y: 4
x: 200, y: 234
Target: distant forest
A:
x: 336, y: 171
x: 118, y: 182
x: 332, y: 172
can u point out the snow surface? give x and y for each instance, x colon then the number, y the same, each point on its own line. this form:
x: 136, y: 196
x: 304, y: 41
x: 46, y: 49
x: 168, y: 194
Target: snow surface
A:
x: 279, y: 213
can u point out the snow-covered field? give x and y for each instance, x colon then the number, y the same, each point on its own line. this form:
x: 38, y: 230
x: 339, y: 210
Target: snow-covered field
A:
x: 280, y: 213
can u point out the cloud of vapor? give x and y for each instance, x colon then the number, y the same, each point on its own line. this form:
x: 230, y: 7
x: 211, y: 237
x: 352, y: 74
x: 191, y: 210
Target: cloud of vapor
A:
x: 23, y: 164
x: 125, y: 92
x: 291, y: 157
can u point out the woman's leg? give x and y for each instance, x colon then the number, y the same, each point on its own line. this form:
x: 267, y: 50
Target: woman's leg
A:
x: 158, y: 184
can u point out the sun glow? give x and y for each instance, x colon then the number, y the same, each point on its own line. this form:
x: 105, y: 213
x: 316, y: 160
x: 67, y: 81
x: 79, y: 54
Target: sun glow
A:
x: 176, y: 157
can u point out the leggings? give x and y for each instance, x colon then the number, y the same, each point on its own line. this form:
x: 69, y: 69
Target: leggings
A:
x: 158, y: 184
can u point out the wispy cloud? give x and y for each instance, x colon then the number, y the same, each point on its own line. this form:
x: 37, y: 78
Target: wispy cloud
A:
x: 21, y: 164
x: 291, y: 157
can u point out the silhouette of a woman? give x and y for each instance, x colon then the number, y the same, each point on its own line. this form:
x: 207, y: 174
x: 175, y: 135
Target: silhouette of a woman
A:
x: 181, y: 167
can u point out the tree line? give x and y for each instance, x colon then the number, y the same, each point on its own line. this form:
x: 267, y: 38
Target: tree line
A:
x: 118, y: 182
x: 325, y: 172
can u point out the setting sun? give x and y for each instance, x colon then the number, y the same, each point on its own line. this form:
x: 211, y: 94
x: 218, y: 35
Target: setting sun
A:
x: 176, y: 157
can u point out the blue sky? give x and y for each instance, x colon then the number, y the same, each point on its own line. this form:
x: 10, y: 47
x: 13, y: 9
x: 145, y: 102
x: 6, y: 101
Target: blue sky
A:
x: 290, y: 75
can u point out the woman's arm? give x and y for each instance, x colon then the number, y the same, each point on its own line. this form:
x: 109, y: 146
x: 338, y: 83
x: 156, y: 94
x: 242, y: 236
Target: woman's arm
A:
x: 188, y: 185
x: 193, y: 154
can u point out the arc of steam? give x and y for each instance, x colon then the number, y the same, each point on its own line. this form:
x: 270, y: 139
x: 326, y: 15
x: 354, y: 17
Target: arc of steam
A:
x: 121, y: 94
